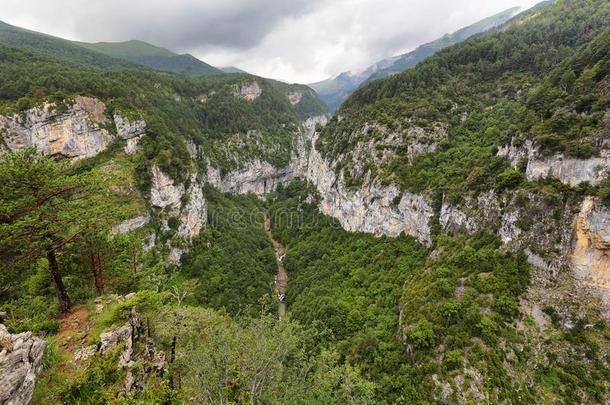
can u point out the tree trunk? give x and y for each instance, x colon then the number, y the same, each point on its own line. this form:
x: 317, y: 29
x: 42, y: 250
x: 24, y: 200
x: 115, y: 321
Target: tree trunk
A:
x: 96, y: 269
x: 62, y: 294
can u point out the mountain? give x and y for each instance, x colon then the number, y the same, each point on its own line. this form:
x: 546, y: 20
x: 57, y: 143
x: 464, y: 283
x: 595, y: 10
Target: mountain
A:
x: 105, y: 55
x: 442, y: 238
x: 153, y: 57
x: 57, y: 48
x: 335, y: 91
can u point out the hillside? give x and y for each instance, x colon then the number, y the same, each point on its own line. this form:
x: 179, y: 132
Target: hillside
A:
x: 153, y: 57
x: 443, y: 238
x: 57, y: 48
x: 335, y: 91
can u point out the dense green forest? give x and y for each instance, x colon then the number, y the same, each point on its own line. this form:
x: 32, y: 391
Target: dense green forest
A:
x: 544, y: 80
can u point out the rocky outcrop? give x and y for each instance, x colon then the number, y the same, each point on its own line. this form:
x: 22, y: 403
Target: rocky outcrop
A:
x: 295, y: 97
x: 257, y: 177
x: 131, y: 224
x: 164, y: 191
x: 20, y: 363
x: 370, y: 208
x: 141, y: 362
x: 591, y: 245
x: 131, y: 131
x: 248, y: 91
x: 453, y: 219
x: 568, y: 170
x: 77, y: 133
x: 194, y: 215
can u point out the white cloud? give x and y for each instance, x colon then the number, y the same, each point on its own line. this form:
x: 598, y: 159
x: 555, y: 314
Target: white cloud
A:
x: 293, y: 40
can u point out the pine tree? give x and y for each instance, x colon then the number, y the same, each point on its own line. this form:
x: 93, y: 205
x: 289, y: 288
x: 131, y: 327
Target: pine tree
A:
x: 44, y: 208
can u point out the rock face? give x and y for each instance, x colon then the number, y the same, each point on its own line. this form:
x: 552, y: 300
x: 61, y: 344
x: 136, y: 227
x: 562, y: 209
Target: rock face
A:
x: 257, y: 177
x: 134, y: 330
x: 591, y: 245
x: 77, y: 133
x: 129, y: 129
x: 20, y: 363
x: 194, y: 215
x: 295, y: 97
x: 249, y: 91
x: 164, y: 192
x: 131, y: 224
x: 570, y: 171
x: 371, y: 208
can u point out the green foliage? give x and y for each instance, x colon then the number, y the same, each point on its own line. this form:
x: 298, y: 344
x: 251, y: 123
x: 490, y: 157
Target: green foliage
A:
x: 347, y: 284
x: 219, y: 360
x: 232, y: 258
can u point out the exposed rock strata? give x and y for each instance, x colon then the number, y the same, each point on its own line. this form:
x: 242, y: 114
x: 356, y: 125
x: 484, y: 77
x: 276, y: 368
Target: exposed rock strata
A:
x: 591, y: 245
x: 568, y: 170
x: 248, y: 91
x: 131, y: 224
x: 194, y: 215
x: 20, y: 363
x: 78, y: 133
x: 164, y: 191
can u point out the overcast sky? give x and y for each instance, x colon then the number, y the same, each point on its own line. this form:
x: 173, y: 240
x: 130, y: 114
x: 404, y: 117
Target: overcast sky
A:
x: 293, y: 40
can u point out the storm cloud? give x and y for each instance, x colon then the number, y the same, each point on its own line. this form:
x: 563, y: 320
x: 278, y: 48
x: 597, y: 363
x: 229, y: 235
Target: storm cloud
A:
x: 292, y: 40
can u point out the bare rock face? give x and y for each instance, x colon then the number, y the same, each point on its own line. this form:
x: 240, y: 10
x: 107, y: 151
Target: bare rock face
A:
x: 164, y: 192
x: 20, y: 363
x: 131, y: 224
x: 568, y: 170
x: 295, y: 97
x: 77, y: 133
x: 194, y: 215
x: 129, y: 129
x: 249, y: 91
x: 453, y: 219
x: 257, y: 177
x: 591, y: 245
x: 370, y: 208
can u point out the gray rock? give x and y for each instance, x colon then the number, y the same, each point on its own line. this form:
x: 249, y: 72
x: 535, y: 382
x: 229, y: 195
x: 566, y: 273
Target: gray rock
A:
x: 76, y: 134
x: 129, y: 129
x: 131, y: 224
x: 568, y: 170
x: 20, y: 363
x: 248, y: 91
x: 164, y: 192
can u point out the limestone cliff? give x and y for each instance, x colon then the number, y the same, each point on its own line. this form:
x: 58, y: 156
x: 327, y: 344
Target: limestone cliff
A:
x: 371, y: 208
x: 77, y: 133
x: 591, y: 245
x: 80, y: 132
x: 568, y: 170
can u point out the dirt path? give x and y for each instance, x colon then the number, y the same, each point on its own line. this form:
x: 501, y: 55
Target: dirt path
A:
x: 74, y: 328
x: 281, y: 279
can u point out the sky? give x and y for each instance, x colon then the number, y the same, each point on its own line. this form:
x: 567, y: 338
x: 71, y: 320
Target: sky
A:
x: 300, y: 41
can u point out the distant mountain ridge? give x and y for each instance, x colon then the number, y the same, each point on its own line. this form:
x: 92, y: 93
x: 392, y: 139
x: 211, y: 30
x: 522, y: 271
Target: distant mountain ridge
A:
x: 335, y: 91
x: 105, y: 55
x: 153, y: 56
